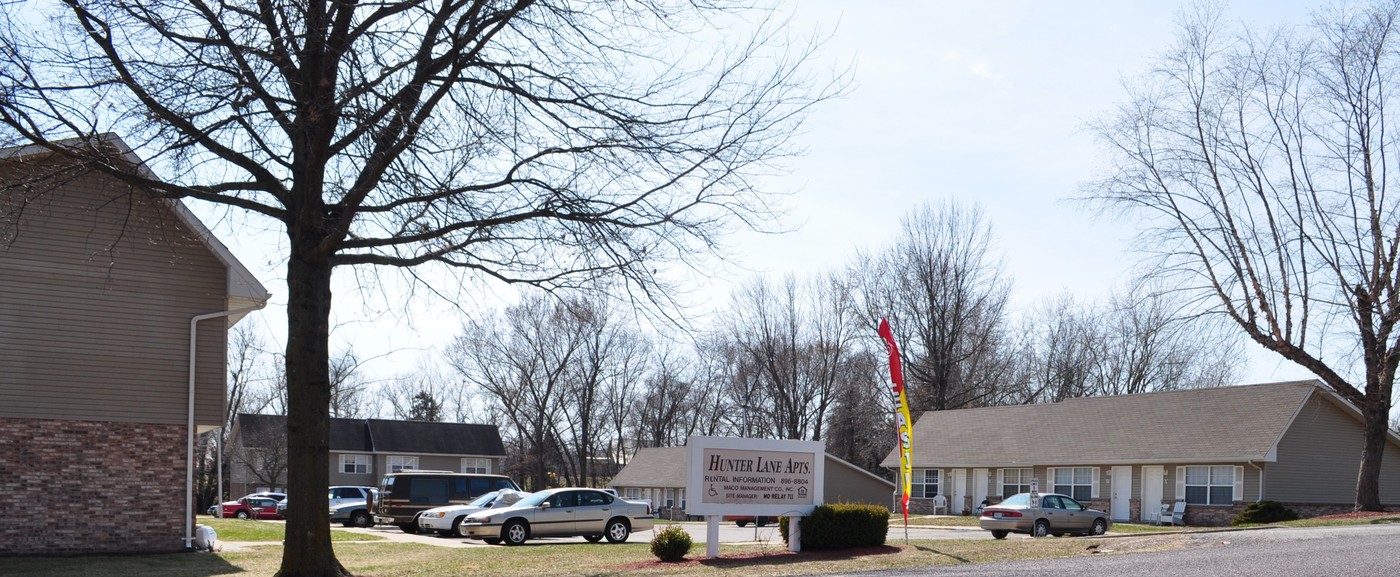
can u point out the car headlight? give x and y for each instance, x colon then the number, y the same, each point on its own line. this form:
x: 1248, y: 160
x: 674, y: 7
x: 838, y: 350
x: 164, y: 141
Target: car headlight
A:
x: 478, y: 520
x: 435, y: 515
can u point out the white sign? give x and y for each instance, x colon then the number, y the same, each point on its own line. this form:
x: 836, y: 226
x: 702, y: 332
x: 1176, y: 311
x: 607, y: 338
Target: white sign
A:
x: 733, y: 476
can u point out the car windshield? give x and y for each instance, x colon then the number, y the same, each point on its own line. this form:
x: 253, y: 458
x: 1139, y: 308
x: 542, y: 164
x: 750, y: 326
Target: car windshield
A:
x: 484, y: 500
x: 534, y: 500
x: 1017, y: 500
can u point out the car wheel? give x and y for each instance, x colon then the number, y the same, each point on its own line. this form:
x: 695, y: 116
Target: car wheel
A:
x: 1042, y: 527
x: 760, y: 521
x: 999, y: 534
x: 617, y: 530
x: 456, y: 528
x: 1100, y: 527
x: 492, y: 541
x: 242, y: 515
x: 408, y: 527
x: 361, y: 519
x: 514, y: 532
x: 741, y: 523
x: 593, y: 538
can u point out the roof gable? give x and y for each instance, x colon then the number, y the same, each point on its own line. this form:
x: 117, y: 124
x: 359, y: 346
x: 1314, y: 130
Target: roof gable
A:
x: 1225, y: 424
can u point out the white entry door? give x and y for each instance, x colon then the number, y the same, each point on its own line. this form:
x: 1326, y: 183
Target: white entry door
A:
x: 959, y: 490
x: 1152, y: 478
x: 1120, y: 508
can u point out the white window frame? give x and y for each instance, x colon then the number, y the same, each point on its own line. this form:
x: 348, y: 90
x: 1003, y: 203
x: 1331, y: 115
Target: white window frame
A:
x: 1212, y: 484
x: 396, y: 463
x: 1078, y: 482
x: 1022, y: 482
x: 357, y: 462
x: 478, y: 465
x: 919, y: 487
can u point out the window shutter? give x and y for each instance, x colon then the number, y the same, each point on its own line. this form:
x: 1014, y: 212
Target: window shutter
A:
x: 1095, y: 490
x: 1001, y: 481
x: 1049, y: 485
x: 1239, y: 483
x: 1181, y: 483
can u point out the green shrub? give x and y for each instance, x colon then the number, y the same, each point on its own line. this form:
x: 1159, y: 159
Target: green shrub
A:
x: 670, y: 544
x: 1264, y: 512
x: 841, y: 526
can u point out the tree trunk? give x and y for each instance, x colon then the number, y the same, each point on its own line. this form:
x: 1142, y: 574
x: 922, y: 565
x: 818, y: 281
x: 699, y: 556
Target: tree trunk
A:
x: 307, y: 549
x: 1368, y: 494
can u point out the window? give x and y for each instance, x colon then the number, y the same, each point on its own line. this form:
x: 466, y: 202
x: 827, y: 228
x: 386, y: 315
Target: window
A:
x: 1015, y: 481
x: 397, y: 463
x: 632, y: 493
x: 1077, y: 482
x: 476, y: 465
x: 354, y: 464
x: 924, y: 485
x: 1214, y: 485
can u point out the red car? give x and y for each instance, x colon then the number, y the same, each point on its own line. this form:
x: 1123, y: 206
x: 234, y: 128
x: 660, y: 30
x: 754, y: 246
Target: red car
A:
x: 251, y: 507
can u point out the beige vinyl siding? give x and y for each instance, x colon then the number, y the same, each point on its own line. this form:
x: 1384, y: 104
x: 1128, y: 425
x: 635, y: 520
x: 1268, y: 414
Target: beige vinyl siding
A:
x: 1320, y: 455
x: 98, y: 288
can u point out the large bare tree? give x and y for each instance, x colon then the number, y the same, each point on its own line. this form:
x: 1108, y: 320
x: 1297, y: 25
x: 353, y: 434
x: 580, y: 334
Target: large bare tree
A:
x: 543, y: 142
x: 945, y: 292
x: 1260, y: 163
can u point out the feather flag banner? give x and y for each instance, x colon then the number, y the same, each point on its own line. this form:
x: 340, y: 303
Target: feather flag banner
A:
x: 906, y: 427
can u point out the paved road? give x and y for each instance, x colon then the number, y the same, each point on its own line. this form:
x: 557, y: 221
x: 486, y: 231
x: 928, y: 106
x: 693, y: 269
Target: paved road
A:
x: 1353, y: 551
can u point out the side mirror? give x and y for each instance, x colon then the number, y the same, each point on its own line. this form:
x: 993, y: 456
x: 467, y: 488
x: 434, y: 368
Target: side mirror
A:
x: 544, y: 505
x: 1083, y: 508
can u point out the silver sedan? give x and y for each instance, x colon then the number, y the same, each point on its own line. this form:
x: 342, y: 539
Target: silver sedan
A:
x: 1049, y: 514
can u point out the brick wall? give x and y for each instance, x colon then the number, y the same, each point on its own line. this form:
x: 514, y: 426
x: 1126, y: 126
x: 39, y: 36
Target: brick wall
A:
x: 69, y: 487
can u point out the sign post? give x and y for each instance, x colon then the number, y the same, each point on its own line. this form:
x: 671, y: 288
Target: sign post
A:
x: 734, y: 476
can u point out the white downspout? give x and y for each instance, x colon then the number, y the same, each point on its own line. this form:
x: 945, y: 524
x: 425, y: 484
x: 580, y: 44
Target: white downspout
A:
x: 189, y: 438
x: 1261, y: 481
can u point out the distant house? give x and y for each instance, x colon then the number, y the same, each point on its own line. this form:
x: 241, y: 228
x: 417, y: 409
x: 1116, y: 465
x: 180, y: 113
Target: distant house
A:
x: 362, y: 450
x: 114, y: 309
x: 660, y: 474
x: 1217, y: 449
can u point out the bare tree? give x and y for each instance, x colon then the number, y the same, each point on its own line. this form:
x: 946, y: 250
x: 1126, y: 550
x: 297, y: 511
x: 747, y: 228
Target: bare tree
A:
x: 1260, y: 165
x: 541, y: 142
x: 348, y: 387
x: 945, y: 294
x: 1056, y: 353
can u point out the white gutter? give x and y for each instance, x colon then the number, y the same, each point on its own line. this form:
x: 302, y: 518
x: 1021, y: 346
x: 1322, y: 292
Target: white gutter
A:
x: 189, y: 439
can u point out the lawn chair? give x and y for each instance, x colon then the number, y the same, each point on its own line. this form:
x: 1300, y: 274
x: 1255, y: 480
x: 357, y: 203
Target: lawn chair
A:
x: 1173, y: 514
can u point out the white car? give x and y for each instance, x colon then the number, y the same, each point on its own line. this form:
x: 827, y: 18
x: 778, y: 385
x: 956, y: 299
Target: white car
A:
x: 568, y: 512
x: 446, y: 520
x: 337, y: 495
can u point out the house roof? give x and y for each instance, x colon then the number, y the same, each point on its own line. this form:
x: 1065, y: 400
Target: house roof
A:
x: 243, y: 289
x: 425, y: 437
x: 1224, y: 424
x: 385, y: 436
x: 655, y: 467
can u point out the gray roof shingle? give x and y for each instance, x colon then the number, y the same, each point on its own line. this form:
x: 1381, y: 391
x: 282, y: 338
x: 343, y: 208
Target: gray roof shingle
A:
x: 655, y: 467
x: 384, y: 436
x: 1225, y: 424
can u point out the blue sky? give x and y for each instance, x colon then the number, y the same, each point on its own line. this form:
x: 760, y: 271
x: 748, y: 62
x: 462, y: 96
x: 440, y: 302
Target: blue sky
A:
x: 982, y: 102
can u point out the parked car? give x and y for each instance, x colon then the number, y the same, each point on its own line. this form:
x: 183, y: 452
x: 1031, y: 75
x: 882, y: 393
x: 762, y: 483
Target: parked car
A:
x: 251, y: 507
x: 744, y: 520
x: 446, y: 520
x: 567, y: 512
x: 354, y: 513
x: 338, y: 495
x: 1054, y: 514
x: 406, y: 494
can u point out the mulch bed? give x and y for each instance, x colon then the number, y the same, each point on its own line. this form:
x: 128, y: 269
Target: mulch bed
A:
x: 774, y: 557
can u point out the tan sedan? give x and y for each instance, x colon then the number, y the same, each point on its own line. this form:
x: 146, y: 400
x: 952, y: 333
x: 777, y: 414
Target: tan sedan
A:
x: 1054, y: 514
